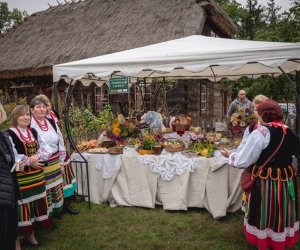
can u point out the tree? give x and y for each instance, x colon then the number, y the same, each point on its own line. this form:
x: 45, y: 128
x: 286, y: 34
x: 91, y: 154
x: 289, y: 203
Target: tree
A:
x: 289, y: 29
x: 272, y: 13
x: 252, y: 21
x: 266, y: 24
x: 235, y: 11
x: 283, y: 27
x: 9, y: 18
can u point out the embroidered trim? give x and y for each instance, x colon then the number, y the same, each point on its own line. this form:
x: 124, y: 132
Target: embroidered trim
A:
x: 263, y: 234
x: 263, y: 130
x: 232, y: 158
x: 279, y: 176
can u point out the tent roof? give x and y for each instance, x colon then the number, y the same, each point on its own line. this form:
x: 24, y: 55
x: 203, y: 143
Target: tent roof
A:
x: 196, y: 56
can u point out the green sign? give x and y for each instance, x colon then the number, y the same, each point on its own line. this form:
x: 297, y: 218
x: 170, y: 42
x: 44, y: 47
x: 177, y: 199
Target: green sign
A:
x: 118, y: 85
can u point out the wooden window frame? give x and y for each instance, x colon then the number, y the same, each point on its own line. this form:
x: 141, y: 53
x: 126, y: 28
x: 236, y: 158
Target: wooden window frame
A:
x: 203, y: 97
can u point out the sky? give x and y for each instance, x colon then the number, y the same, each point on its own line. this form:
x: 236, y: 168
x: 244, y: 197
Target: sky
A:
x: 32, y: 6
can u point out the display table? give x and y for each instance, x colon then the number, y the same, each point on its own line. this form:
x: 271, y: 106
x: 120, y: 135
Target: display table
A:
x: 169, y: 179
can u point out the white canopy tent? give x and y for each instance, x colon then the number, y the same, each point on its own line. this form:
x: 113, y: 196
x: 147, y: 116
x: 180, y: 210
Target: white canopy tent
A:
x: 193, y: 56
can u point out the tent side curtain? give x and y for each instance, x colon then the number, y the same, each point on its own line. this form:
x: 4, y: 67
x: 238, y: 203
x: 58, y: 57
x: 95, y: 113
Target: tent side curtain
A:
x: 193, y: 56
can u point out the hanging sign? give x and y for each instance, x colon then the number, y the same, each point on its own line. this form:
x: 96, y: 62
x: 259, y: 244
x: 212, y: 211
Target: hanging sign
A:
x: 118, y: 85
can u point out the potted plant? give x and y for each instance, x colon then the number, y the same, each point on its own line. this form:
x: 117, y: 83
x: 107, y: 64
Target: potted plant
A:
x: 145, y: 143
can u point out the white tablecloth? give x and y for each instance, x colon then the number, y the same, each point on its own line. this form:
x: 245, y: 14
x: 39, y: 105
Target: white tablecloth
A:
x: 169, y: 164
x: 211, y: 184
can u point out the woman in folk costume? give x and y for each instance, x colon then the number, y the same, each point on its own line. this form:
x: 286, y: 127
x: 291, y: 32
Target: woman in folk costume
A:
x: 272, y: 218
x: 30, y: 149
x: 9, y: 190
x: 70, y: 184
x: 53, y: 169
x: 256, y: 101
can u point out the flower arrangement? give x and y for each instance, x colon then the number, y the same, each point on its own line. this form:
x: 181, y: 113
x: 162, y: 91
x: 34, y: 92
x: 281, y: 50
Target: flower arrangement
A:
x: 240, y: 120
x: 147, y: 140
x: 121, y: 129
x: 203, y: 145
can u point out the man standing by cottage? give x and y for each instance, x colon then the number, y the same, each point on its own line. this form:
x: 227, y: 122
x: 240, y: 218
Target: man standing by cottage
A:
x: 240, y: 103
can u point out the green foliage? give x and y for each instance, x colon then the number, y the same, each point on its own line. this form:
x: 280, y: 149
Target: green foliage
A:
x: 105, y: 117
x: 8, y: 107
x: 9, y: 18
x: 266, y: 24
x: 83, y: 121
x: 256, y: 22
x: 277, y: 88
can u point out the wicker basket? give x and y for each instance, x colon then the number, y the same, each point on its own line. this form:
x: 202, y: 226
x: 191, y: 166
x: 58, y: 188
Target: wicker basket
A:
x: 108, y: 144
x: 173, y: 145
x: 180, y: 127
x: 115, y: 150
x: 146, y: 151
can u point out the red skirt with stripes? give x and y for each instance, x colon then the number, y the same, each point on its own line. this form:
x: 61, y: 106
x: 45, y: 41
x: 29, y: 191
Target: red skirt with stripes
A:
x: 272, y: 220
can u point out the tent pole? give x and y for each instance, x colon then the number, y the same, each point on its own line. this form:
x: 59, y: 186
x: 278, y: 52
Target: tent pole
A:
x: 213, y: 73
x: 55, y: 95
x: 298, y: 117
x: 67, y: 105
x: 297, y: 129
x: 296, y: 90
x: 291, y: 82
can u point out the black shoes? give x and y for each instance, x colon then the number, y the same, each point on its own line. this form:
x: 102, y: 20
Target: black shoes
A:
x: 29, y: 243
x: 70, y: 210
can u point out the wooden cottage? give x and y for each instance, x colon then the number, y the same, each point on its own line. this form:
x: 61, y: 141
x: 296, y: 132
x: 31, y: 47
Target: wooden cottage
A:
x: 83, y: 29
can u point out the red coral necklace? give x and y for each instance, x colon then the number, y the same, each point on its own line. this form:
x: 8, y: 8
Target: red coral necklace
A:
x: 24, y: 138
x: 44, y: 126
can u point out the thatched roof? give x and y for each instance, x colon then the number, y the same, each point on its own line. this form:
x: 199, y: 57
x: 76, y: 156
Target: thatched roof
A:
x: 83, y: 29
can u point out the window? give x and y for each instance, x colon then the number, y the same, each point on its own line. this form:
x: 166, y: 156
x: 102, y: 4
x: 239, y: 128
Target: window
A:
x: 101, y: 97
x: 203, y: 95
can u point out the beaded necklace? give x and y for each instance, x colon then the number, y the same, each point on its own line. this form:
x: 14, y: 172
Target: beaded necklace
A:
x: 44, y: 126
x: 24, y: 138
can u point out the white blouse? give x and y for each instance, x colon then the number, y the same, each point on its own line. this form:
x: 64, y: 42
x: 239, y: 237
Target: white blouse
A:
x: 251, y: 149
x: 43, y: 151
x: 245, y: 137
x: 54, y: 139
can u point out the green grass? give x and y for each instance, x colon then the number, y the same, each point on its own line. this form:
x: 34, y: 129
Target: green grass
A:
x: 103, y: 227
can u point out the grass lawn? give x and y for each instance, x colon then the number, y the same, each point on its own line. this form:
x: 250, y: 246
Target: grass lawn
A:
x: 103, y: 227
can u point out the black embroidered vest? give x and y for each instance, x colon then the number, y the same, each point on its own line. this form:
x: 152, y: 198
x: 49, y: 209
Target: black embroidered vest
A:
x: 26, y: 148
x: 283, y: 157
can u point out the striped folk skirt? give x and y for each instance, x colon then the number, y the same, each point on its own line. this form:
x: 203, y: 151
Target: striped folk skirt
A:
x: 272, y: 220
x: 54, y: 185
x: 69, y: 181
x: 32, y: 207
